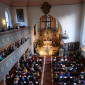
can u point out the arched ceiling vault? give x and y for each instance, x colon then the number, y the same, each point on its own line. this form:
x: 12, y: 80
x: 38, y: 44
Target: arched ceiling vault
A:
x: 32, y: 3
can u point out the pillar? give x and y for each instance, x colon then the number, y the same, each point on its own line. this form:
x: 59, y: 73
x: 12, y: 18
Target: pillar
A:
x: 24, y: 57
x: 4, y: 80
x: 18, y: 64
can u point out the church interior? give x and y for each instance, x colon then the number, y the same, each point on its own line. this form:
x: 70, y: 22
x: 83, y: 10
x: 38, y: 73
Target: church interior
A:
x: 42, y: 42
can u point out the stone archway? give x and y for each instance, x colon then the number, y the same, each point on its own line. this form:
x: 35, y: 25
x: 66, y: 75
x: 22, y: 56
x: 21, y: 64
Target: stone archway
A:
x: 54, y: 30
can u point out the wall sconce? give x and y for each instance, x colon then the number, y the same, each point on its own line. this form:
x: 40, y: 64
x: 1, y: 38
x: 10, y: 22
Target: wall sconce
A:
x: 4, y: 22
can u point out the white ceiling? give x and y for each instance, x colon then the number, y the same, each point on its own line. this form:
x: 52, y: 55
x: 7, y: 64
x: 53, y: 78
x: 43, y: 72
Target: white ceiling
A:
x: 39, y: 2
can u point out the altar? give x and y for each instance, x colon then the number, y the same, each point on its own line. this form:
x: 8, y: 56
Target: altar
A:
x: 47, y: 48
x: 47, y: 43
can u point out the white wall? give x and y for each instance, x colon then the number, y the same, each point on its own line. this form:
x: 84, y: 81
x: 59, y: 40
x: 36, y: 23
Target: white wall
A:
x: 3, y: 7
x: 68, y: 16
x: 82, y: 37
x: 14, y: 16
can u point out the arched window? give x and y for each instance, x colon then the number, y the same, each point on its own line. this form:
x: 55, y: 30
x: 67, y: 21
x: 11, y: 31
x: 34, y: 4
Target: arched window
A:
x: 7, y: 17
x: 48, y: 23
x: 38, y: 25
x: 56, y: 25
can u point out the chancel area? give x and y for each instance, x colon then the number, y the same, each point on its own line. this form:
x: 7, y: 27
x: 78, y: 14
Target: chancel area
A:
x: 42, y: 42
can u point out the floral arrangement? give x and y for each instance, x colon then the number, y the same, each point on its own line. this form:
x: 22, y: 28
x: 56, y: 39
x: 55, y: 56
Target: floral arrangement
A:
x: 40, y: 42
x: 55, y: 42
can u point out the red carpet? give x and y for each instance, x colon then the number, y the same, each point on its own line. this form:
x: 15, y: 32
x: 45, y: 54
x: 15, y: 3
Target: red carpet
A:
x: 47, y: 73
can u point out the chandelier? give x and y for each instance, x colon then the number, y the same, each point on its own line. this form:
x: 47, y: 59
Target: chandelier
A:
x: 65, y: 36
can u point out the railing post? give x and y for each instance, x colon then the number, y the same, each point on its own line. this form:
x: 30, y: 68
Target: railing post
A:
x: 18, y: 64
x: 24, y: 57
x: 4, y: 81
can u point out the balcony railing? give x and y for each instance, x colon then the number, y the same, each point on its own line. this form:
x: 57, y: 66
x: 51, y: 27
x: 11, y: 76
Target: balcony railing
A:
x: 8, y: 37
x: 9, y: 61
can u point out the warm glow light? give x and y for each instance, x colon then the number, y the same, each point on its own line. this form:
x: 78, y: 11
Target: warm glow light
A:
x: 83, y: 48
x: 4, y: 22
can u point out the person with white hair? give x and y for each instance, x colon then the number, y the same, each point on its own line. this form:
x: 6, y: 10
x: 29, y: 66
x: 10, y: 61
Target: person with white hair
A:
x: 47, y: 50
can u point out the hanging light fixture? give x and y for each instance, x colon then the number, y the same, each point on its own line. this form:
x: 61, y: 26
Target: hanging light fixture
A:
x: 65, y: 35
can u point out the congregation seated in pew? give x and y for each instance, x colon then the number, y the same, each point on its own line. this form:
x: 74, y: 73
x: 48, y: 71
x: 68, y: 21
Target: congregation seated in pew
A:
x: 28, y: 73
x: 67, y: 72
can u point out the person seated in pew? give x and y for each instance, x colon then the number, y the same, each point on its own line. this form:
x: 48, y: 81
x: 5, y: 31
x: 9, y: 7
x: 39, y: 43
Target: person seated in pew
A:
x: 37, y: 62
x: 23, y: 79
x: 29, y: 74
x: 78, y: 69
x: 15, y: 82
x: 11, y: 76
x: 58, y: 65
x: 55, y: 69
x: 40, y: 61
x: 16, y: 78
x: 34, y: 73
x: 78, y: 81
x: 36, y: 82
x: 74, y: 79
x: 66, y: 59
x: 62, y: 59
x: 31, y: 78
x: 3, y: 54
x: 19, y: 72
x: 75, y: 69
x: 1, y: 57
x: 20, y: 69
x: 8, y: 77
x: 24, y: 74
x: 27, y: 65
x: 31, y: 83
x: 67, y: 79
x: 56, y: 75
x: 54, y: 59
x: 9, y: 28
x: 67, y: 74
x: 25, y: 70
x: 32, y: 69
x: 61, y: 74
x: 70, y: 69
x: 11, y: 49
x: 60, y: 62
x: 6, y: 51
x: 28, y: 79
x: 34, y: 62
x: 63, y: 65
x: 22, y: 65
x: 57, y: 79
x: 61, y: 69
x: 35, y: 67
x: 39, y: 68
x: 81, y: 75
x: 38, y: 74
x: 34, y: 78
x: 2, y: 29
x: 82, y: 83
x: 54, y: 62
